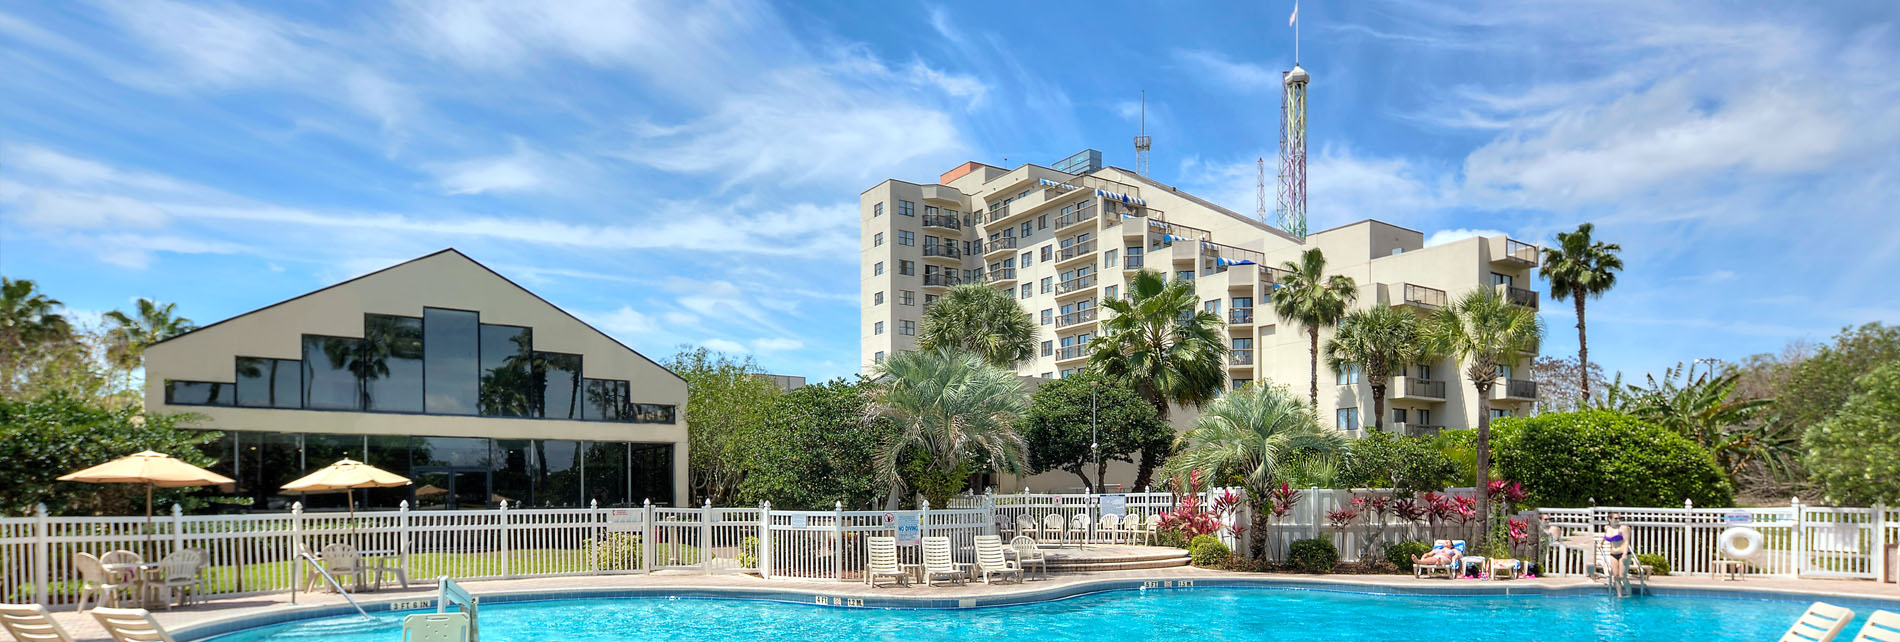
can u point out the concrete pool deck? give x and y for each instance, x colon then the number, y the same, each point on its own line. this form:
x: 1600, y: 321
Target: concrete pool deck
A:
x: 215, y: 616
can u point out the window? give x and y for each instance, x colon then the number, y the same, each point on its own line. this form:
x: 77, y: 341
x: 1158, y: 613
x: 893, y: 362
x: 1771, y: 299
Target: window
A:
x: 906, y: 297
x: 1028, y: 259
x: 878, y: 358
x: 1109, y: 258
x: 1241, y: 383
x: 1349, y: 374
x: 507, y: 357
x: 907, y: 208
x: 1048, y: 283
x: 1047, y: 251
x: 1398, y: 415
x: 1243, y: 343
x: 392, y: 356
x: 1184, y: 275
x: 877, y: 209
x: 877, y: 240
x: 199, y: 393
x: 1500, y: 413
x: 1424, y: 371
x: 1500, y: 279
x: 1028, y: 229
x: 1048, y: 347
x: 1110, y: 291
x: 449, y: 367
x: 1212, y: 306
x: 1048, y: 316
x: 604, y: 399
x: 1347, y: 419
x: 907, y: 328
x: 328, y: 379
x: 877, y: 328
x: 877, y: 269
x: 1027, y: 290
x: 907, y: 268
x: 269, y: 383
x: 929, y: 299
x: 877, y: 298
x: 1243, y: 302
x: 1504, y: 371
x: 930, y: 210
x: 1424, y: 416
x: 1048, y: 375
x: 559, y: 396
x: 1042, y: 222
x: 905, y: 237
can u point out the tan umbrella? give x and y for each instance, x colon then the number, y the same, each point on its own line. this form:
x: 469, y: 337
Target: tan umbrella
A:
x: 346, y: 475
x: 154, y: 470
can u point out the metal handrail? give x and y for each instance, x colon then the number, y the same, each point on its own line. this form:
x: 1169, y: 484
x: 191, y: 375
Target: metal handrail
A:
x: 448, y: 592
x: 314, y: 564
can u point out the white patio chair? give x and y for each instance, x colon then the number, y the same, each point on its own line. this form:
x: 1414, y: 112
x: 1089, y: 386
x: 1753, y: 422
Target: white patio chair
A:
x: 1052, y: 526
x: 98, y: 584
x: 1028, y: 554
x: 939, y: 562
x: 1025, y: 526
x: 1131, y: 528
x: 1881, y: 626
x: 1105, y: 528
x: 435, y: 627
x: 131, y: 625
x: 1079, y: 529
x: 342, y: 560
x: 31, y: 623
x: 121, y: 557
x: 1151, y: 530
x: 1004, y: 526
x: 1821, y: 623
x: 178, y: 576
x: 880, y: 560
x: 990, y: 560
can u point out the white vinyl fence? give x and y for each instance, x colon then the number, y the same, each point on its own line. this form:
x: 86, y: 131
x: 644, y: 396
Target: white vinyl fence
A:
x: 1799, y: 540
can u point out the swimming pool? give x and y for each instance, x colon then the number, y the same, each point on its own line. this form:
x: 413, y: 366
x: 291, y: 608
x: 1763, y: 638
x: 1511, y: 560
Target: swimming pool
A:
x: 1189, y: 615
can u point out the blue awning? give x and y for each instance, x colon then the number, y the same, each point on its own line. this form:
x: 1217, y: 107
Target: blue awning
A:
x: 1115, y: 196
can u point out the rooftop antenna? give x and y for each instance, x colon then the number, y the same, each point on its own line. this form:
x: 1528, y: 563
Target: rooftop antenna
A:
x: 1292, y: 199
x: 1142, y: 142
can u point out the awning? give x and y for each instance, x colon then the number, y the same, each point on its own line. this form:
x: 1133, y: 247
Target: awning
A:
x: 1049, y: 183
x: 1224, y: 261
x: 1116, y: 196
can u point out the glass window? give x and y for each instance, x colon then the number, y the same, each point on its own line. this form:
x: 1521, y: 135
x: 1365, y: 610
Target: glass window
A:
x: 606, y: 398
x: 1347, y: 374
x: 1184, y: 275
x: 1028, y: 229
x: 1243, y: 302
x: 650, y: 413
x: 1049, y: 347
x: 1424, y: 417
x: 1042, y: 222
x: 391, y: 453
x: 1241, y: 383
x: 1048, y: 283
x: 906, y: 297
x: 557, y: 474
x: 557, y: 384
x: 465, y: 452
x: 513, y: 474
x: 905, y: 237
x: 1028, y: 290
x: 930, y: 210
x: 907, y: 208
x: 878, y: 358
x: 877, y: 298
x: 1347, y: 419
x: 450, y: 367
x: 1398, y: 415
x: 392, y: 356
x: 877, y: 240
x: 1243, y: 343
x: 606, y: 472
x: 1500, y: 413
x: 269, y: 383
x: 877, y: 269
x: 272, y: 459
x: 199, y: 393
x: 907, y: 328
x: 507, y: 371
x: 1109, y: 292
x: 877, y: 327
x: 1028, y: 258
x: 1048, y: 250
x: 330, y: 365
x: 1108, y: 258
x: 1212, y: 306
x: 1424, y: 371
x: 907, y: 268
x: 1048, y: 316
x: 651, y: 473
x: 877, y: 209
x: 1500, y: 279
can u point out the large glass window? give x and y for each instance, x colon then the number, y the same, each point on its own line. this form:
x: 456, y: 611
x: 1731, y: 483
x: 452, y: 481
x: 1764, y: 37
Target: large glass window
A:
x: 330, y: 367
x: 392, y: 363
x: 607, y: 473
x: 557, y: 382
x: 450, y: 366
x: 198, y: 393
x: 461, y: 452
x: 391, y: 453
x: 650, y: 413
x: 557, y: 469
x: 652, y: 473
x: 269, y: 383
x: 507, y: 370
x: 605, y: 399
x: 513, y: 474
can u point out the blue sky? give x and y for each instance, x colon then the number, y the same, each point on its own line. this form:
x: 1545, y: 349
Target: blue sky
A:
x: 688, y: 172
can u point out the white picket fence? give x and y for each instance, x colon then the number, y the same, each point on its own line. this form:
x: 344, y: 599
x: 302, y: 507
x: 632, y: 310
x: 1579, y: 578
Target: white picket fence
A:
x: 1799, y: 540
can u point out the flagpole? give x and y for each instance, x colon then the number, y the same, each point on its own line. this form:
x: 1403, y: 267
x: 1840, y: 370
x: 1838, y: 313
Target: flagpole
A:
x: 1296, y: 33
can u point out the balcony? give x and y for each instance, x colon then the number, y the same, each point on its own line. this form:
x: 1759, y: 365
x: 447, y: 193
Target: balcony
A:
x: 1517, y: 295
x: 1512, y: 252
x: 1416, y: 429
x: 1075, y: 285
x: 1514, y: 390
x: 999, y: 245
x: 1132, y: 262
x: 1000, y: 275
x: 1071, y: 353
x: 1078, y: 250
x: 944, y: 251
x: 1072, y: 218
x: 1077, y: 317
x: 1424, y: 297
x: 944, y: 221
x: 1242, y: 357
x: 942, y: 280
x: 1240, y: 316
x: 1270, y: 278
x: 1416, y: 389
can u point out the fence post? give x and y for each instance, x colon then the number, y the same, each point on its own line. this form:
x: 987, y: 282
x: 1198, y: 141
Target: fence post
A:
x: 1800, y: 561
x: 402, y: 535
x: 178, y: 527
x: 923, y: 518
x: 297, y: 547
x: 651, y: 532
x: 42, y: 556
x: 1880, y: 542
x: 1688, y: 539
x: 837, y: 527
x: 507, y: 567
x: 705, y: 537
x: 765, y: 539
x: 597, y: 536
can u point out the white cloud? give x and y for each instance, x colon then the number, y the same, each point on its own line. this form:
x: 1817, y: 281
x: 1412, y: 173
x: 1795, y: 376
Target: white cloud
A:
x: 1217, y: 70
x: 1442, y: 237
x: 522, y: 170
x: 776, y: 344
x: 622, y: 322
x: 136, y: 250
x: 76, y: 210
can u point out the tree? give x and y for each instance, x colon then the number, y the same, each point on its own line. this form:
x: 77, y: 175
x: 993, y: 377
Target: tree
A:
x: 812, y: 450
x: 130, y: 335
x: 28, y: 316
x: 1484, y: 332
x: 1580, y: 268
x: 1559, y: 383
x: 983, y: 320
x: 1161, y: 341
x: 948, y: 407
x: 1382, y: 341
x: 1248, y: 434
x: 1409, y: 465
x: 55, y: 434
x: 1609, y: 458
x: 726, y: 403
x: 1818, y: 387
x: 1307, y: 296
x: 1706, y: 410
x: 1855, y: 455
x: 1067, y: 416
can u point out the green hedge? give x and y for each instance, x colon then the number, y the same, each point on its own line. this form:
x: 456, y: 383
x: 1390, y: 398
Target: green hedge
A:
x: 1572, y: 458
x: 1313, y: 555
x: 1658, y: 565
x: 1401, y: 554
x: 1207, y: 551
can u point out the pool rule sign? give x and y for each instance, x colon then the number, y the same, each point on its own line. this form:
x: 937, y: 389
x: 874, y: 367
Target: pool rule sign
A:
x: 1116, y: 505
x: 908, y: 526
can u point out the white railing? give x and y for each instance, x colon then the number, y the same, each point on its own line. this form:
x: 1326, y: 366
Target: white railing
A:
x: 1798, y: 540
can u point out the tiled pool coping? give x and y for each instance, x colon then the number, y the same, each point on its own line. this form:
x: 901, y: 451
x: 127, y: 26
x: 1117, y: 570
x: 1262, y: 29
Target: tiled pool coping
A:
x: 855, y: 596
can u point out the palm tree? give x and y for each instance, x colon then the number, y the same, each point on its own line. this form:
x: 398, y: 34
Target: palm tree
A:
x: 1159, y: 340
x: 1485, y: 332
x: 1250, y: 434
x: 130, y: 336
x: 1382, y: 341
x: 948, y: 407
x: 980, y: 319
x: 28, y: 316
x: 1578, y: 269
x: 1309, y: 297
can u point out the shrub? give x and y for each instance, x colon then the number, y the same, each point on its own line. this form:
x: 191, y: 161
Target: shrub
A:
x: 1207, y: 551
x: 749, y: 552
x: 1658, y: 565
x: 1407, y: 464
x: 616, y: 551
x: 1570, y: 458
x: 1401, y: 554
x: 1313, y: 555
x: 1855, y: 455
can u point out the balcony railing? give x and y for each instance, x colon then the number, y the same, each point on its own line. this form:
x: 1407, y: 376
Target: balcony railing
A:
x: 1417, y: 430
x: 942, y: 280
x: 1241, y: 357
x: 997, y: 214
x: 1079, y: 249
x: 1132, y: 262
x: 1520, y: 389
x: 1002, y: 274
x: 1422, y: 296
x: 1520, y: 251
x: 1076, y: 284
x: 1079, y: 316
x: 1005, y: 243
x: 1519, y: 296
x: 1078, y: 216
x: 1072, y: 352
x: 942, y: 220
x: 946, y: 251
x: 1240, y: 316
x: 1414, y: 388
x: 1270, y: 278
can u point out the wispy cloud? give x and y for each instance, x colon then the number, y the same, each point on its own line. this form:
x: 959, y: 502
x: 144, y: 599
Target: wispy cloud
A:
x: 1220, y: 71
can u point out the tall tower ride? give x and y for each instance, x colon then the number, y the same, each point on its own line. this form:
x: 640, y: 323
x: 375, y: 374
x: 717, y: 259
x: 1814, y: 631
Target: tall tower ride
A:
x: 1292, y: 205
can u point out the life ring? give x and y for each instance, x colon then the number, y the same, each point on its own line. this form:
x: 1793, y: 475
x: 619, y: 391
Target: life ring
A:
x: 1749, y: 539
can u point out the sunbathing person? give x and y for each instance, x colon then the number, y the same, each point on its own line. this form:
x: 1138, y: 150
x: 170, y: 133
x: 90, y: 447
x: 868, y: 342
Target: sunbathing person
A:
x: 1438, y: 556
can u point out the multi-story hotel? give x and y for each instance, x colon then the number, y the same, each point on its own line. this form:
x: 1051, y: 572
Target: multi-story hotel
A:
x: 1061, y: 239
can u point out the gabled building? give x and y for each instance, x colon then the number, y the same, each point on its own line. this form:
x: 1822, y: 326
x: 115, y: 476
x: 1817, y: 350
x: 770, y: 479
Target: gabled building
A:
x: 438, y: 369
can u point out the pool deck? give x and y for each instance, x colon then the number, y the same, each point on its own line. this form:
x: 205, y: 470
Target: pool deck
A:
x: 278, y: 605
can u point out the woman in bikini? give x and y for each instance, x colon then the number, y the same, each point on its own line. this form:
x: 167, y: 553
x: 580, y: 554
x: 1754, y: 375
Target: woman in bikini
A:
x: 1441, y: 553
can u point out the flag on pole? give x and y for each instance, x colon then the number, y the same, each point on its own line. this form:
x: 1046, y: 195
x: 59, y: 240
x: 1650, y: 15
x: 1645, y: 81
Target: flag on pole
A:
x: 1296, y: 15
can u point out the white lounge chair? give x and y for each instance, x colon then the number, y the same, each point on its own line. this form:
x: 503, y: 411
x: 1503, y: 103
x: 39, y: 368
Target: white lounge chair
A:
x: 435, y: 627
x: 131, y: 625
x: 97, y: 583
x: 1450, y: 567
x: 1028, y: 554
x: 1079, y: 529
x: 1820, y: 623
x: 1105, y: 528
x: 990, y: 560
x: 940, y: 563
x: 1052, y: 527
x: 880, y: 560
x: 178, y: 575
x: 1881, y: 626
x: 31, y: 623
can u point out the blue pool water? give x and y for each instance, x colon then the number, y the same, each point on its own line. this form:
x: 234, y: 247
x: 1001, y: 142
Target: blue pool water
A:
x: 1191, y: 615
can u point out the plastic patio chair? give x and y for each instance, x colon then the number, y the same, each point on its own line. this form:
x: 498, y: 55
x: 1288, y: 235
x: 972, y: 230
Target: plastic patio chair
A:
x: 97, y: 583
x: 31, y: 623
x: 1028, y: 554
x: 178, y: 576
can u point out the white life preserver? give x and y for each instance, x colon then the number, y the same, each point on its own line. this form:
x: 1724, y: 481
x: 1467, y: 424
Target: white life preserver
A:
x: 1749, y: 540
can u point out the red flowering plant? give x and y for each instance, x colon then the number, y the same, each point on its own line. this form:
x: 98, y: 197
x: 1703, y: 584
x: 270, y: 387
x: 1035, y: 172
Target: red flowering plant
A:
x: 1374, y: 508
x: 1410, y: 511
x: 1192, y: 516
x: 1439, y: 510
x: 1465, y: 510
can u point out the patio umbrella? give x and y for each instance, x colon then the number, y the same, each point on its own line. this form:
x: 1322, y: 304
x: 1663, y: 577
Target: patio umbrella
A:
x: 346, y: 475
x: 154, y: 470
